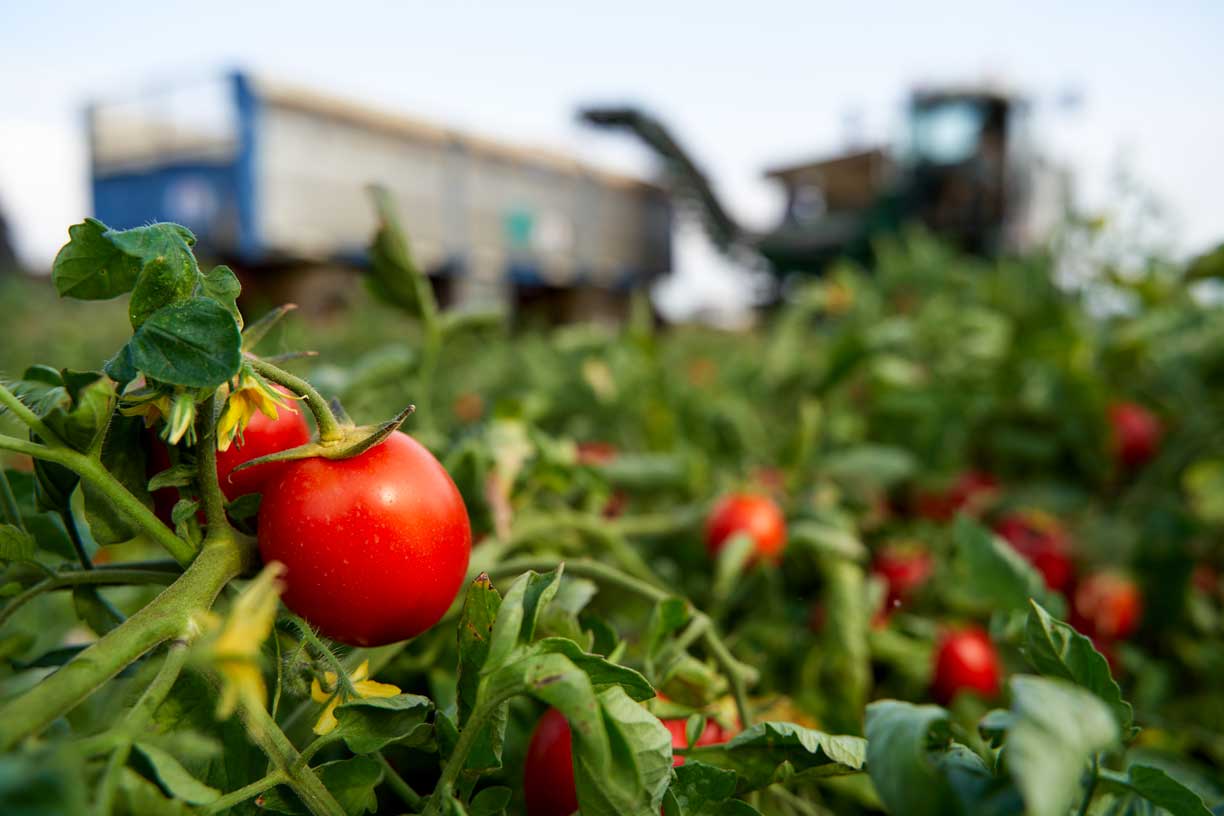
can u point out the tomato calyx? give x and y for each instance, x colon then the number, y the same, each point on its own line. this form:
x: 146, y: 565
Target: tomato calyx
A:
x: 354, y: 440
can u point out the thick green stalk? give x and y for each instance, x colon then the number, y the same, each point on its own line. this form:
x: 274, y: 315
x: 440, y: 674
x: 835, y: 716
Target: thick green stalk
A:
x: 329, y: 428
x: 211, y: 496
x: 848, y: 672
x: 166, y: 616
x: 458, y: 758
x: 265, y: 733
x: 93, y: 472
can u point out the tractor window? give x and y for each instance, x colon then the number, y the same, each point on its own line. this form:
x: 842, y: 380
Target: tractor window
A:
x: 947, y: 132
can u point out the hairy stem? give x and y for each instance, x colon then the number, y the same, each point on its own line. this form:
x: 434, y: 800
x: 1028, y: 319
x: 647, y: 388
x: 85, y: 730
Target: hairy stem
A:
x: 9, y: 400
x: 211, y: 496
x: 458, y: 758
x: 329, y: 428
x: 166, y: 616
x: 245, y: 792
x: 93, y: 472
x: 265, y: 733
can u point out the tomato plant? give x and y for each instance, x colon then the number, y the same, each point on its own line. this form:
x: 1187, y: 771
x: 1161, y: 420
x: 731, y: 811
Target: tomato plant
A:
x: 302, y: 625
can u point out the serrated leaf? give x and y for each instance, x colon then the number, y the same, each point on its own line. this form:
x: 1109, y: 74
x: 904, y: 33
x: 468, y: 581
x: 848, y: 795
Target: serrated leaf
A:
x: 1157, y: 787
x: 369, y: 724
x: 1055, y: 649
x: 900, y: 736
x: 175, y: 778
x: 89, y: 267
x: 351, y: 781
x: 475, y: 634
x: 770, y: 752
x: 15, y: 544
x: 704, y: 790
x: 1058, y: 727
x: 195, y: 344
x: 518, y: 613
x: 602, y: 672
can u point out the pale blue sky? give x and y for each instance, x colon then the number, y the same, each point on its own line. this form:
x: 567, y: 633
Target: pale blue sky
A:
x: 746, y: 85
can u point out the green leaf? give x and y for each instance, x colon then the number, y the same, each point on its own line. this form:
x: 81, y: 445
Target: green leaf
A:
x: 394, y: 275
x: 46, y: 528
x: 1055, y: 649
x: 175, y: 778
x: 704, y: 790
x: 194, y: 344
x: 602, y: 672
x: 826, y: 538
x: 36, y: 784
x: 351, y: 781
x: 370, y: 724
x: 90, y: 267
x: 1002, y: 578
x: 179, y: 475
x: 994, y: 725
x: 1058, y: 727
x: 123, y: 454
x: 165, y: 279
x: 490, y: 801
x: 1156, y: 786
x: 518, y: 613
x: 871, y: 466
x: 900, y: 738
x: 141, y: 797
x: 94, y: 610
x: 475, y: 634
x: 771, y: 752
x: 221, y: 284
x: 15, y: 544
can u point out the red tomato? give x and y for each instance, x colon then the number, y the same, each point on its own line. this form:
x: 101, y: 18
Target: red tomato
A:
x: 1043, y: 542
x: 966, y: 661
x: 261, y: 437
x: 1135, y: 433
x: 596, y: 453
x: 548, y: 771
x: 757, y: 516
x: 904, y: 570
x: 376, y: 546
x: 971, y: 490
x: 712, y: 734
x: 164, y: 499
x: 1106, y: 605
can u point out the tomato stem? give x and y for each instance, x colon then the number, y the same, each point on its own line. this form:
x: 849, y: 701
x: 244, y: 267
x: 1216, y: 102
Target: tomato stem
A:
x: 93, y: 472
x: 9, y: 400
x: 329, y: 428
x: 211, y: 496
x: 245, y: 792
x: 166, y: 616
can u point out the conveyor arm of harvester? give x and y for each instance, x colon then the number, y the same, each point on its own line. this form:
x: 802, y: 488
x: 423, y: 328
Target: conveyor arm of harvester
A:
x: 689, y: 180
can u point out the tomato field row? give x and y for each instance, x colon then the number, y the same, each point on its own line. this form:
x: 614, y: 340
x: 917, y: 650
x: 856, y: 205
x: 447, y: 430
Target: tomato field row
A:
x: 941, y: 537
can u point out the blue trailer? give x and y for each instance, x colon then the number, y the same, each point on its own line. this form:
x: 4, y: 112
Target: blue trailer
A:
x: 273, y: 177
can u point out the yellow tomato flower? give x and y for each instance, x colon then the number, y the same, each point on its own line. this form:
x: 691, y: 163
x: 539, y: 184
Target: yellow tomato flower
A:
x: 252, y: 394
x: 177, y: 408
x: 362, y: 687
x: 234, y: 648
